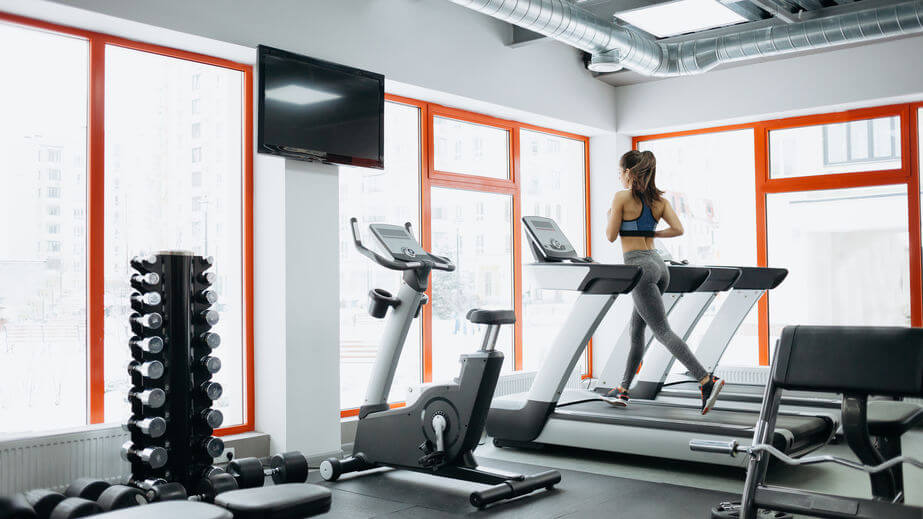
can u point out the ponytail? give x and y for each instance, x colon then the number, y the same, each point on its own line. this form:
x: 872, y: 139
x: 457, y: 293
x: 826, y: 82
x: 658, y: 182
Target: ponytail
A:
x: 641, y: 168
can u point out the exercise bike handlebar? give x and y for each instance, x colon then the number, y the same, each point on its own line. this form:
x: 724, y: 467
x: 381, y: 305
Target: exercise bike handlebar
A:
x: 438, y: 262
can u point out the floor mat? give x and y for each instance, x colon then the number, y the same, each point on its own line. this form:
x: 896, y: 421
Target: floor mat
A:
x: 403, y: 494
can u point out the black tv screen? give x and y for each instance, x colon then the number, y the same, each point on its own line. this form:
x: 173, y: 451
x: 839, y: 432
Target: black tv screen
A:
x: 311, y: 109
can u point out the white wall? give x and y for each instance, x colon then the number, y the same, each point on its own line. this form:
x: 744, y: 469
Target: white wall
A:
x: 868, y: 75
x: 428, y: 43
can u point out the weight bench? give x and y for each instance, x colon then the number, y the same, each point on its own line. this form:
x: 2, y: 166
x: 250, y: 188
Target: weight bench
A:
x: 273, y: 502
x: 169, y: 509
x: 858, y: 362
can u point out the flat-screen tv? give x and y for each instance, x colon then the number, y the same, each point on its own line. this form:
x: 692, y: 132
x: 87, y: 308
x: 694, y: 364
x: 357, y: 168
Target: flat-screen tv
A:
x: 311, y: 109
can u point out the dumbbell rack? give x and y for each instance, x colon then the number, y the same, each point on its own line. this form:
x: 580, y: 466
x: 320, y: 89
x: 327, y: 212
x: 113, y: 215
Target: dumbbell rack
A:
x: 184, y: 304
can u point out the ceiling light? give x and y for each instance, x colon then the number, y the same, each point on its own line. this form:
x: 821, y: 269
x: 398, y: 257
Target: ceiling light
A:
x: 680, y: 17
x: 299, y: 95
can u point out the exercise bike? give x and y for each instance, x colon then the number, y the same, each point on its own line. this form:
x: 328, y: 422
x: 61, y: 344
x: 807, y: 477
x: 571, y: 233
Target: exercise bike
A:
x: 438, y: 432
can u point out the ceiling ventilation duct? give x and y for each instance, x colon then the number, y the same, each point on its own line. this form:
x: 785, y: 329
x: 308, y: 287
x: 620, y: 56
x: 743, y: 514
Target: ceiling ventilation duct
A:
x: 612, y: 47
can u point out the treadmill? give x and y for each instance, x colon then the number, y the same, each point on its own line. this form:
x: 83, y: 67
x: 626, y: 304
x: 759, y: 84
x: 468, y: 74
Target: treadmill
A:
x: 581, y: 418
x: 744, y: 392
x: 655, y: 380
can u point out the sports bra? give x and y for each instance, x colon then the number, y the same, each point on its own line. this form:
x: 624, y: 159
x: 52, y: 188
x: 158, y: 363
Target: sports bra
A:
x: 643, y: 225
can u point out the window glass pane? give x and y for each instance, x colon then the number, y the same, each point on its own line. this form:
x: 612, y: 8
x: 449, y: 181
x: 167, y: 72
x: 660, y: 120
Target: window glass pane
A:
x: 835, y: 148
x: 390, y: 196
x: 43, y: 291
x: 719, y: 216
x: 847, y: 253
x: 882, y: 137
x: 474, y: 229
x: 553, y: 185
x: 859, y: 140
x: 163, y: 194
x: 471, y: 149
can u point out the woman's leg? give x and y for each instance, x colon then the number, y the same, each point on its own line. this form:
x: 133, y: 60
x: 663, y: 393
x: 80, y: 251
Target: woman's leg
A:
x: 636, y: 351
x: 649, y: 304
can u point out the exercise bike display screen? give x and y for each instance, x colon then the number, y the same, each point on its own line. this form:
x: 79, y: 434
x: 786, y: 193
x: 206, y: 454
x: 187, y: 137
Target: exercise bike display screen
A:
x: 398, y: 242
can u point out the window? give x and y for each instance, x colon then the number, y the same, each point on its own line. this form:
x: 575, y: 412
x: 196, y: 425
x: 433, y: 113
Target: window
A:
x: 195, y: 81
x: 54, y: 228
x: 478, y: 149
x: 54, y: 174
x: 848, y: 147
x: 43, y: 312
x: 473, y: 208
x: 847, y: 240
x: 395, y: 199
x: 482, y: 279
x: 862, y: 141
x: 553, y: 185
x: 194, y: 210
x: 847, y: 255
x: 53, y: 155
x: 54, y: 192
x: 196, y: 130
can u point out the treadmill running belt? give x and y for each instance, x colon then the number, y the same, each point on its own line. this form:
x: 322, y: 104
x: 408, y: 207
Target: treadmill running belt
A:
x: 794, y: 433
x: 754, y: 394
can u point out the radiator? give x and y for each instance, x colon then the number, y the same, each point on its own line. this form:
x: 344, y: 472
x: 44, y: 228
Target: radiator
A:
x: 54, y: 460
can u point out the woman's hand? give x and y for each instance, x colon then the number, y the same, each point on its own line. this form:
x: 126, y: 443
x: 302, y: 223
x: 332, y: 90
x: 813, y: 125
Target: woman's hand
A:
x: 675, y: 226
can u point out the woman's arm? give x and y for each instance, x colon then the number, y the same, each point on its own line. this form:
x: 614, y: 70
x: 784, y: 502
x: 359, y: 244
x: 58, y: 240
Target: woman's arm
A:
x: 675, y: 226
x: 614, y: 217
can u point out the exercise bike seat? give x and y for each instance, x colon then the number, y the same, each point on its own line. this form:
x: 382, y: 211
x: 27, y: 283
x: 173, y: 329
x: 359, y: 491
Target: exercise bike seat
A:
x: 890, y: 418
x: 478, y: 316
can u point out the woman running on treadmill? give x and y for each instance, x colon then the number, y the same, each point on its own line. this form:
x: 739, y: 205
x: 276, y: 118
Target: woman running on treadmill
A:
x: 633, y: 216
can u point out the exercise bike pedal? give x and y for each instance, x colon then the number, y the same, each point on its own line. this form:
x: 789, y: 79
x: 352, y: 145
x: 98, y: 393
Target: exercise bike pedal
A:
x: 432, y: 460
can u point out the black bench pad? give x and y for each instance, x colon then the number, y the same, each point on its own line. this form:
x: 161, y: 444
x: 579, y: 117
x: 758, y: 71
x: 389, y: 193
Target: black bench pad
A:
x: 289, y: 500
x: 890, y: 418
x: 478, y: 316
x: 169, y: 509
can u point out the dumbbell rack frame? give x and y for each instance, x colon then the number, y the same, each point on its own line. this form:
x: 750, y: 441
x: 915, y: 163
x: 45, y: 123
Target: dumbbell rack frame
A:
x: 182, y: 279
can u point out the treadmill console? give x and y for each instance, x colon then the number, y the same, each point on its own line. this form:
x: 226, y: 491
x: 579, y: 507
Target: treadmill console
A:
x: 398, y: 242
x: 548, y: 242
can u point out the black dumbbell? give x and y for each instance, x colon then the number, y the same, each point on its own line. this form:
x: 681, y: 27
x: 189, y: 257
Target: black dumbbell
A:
x: 43, y: 501
x: 16, y: 507
x: 288, y: 467
x: 87, y: 488
x: 74, y: 507
x: 117, y: 497
x: 159, y: 490
x: 209, y: 487
x: 217, y: 483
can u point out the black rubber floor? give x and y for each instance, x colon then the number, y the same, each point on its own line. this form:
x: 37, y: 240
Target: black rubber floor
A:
x: 401, y: 494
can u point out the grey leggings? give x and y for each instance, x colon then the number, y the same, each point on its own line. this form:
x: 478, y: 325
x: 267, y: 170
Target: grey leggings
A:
x: 647, y: 296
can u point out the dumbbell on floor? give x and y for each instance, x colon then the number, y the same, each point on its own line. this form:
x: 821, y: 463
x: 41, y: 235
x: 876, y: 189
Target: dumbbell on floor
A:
x: 288, y: 467
x: 78, y: 499
x: 208, y: 488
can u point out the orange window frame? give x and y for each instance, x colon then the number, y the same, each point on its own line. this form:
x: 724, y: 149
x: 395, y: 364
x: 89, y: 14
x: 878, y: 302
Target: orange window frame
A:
x: 907, y: 174
x: 431, y: 177
x: 97, y: 43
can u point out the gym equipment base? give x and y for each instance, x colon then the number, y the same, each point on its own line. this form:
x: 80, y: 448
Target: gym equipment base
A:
x: 404, y: 494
